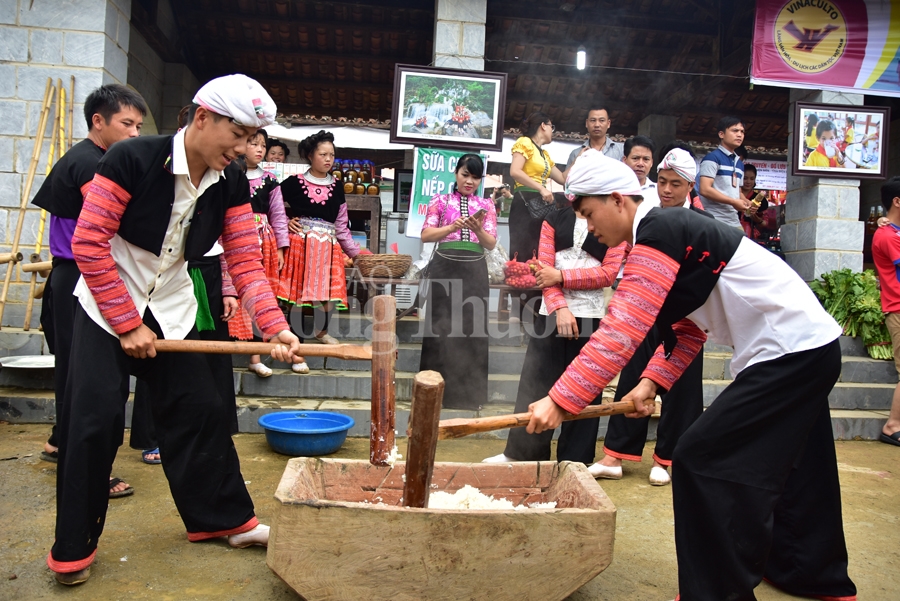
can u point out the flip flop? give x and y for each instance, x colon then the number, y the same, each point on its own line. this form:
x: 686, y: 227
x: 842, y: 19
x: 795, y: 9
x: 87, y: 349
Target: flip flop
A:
x: 147, y: 453
x: 893, y: 439
x: 113, y: 482
x: 51, y: 457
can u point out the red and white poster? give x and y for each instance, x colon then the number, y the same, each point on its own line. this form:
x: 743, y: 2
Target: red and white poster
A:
x: 770, y: 175
x: 841, y: 45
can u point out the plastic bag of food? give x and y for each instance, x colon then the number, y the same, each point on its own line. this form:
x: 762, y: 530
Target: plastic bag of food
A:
x: 496, y: 259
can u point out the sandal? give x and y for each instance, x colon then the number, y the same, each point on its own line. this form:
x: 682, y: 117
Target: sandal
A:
x: 145, y: 456
x: 260, y: 369
x: 114, y: 482
x: 893, y: 439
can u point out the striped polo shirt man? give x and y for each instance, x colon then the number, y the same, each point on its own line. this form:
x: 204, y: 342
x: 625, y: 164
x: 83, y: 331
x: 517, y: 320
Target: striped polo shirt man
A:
x: 727, y: 172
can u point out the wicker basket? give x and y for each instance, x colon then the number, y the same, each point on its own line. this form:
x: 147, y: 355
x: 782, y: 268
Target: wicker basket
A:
x: 382, y: 266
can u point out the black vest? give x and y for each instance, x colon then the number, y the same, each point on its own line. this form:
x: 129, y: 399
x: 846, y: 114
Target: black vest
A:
x: 142, y: 167
x: 259, y: 196
x: 300, y: 205
x: 563, y: 223
x: 701, y: 246
x: 60, y: 194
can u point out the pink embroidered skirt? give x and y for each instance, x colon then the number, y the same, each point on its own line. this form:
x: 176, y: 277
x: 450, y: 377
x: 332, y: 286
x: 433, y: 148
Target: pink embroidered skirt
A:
x: 314, y: 267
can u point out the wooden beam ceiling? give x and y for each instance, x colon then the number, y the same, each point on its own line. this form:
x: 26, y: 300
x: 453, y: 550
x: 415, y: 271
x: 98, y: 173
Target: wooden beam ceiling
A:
x: 645, y: 57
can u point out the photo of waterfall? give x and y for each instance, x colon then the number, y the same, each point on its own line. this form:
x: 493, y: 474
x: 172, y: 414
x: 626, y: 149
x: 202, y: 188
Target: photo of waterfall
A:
x: 444, y: 107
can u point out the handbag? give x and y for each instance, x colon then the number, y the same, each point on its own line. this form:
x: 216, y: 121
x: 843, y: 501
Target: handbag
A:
x: 537, y: 208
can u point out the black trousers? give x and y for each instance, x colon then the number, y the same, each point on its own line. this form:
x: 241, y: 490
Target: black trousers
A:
x: 456, y: 341
x: 201, y: 462
x: 58, y: 321
x: 143, y: 430
x: 546, y: 360
x: 682, y: 405
x: 755, y: 486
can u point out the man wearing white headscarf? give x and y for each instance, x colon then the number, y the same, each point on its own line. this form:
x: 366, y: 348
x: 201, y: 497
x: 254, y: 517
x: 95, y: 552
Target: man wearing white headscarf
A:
x: 755, y: 484
x: 679, y: 172
x: 154, y: 203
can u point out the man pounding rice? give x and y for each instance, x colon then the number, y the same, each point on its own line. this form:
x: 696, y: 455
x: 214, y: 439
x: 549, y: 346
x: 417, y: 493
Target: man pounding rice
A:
x: 154, y: 203
x: 755, y: 482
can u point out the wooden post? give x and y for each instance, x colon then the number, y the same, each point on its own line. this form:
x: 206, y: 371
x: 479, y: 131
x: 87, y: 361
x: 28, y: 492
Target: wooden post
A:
x: 384, y: 345
x: 428, y: 392
x: 352, y: 352
x: 26, y: 193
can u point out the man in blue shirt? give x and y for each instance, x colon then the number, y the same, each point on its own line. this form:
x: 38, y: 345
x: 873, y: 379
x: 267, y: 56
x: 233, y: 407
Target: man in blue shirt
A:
x: 721, y: 174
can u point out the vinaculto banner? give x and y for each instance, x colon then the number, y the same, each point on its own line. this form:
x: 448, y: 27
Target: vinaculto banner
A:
x: 841, y: 45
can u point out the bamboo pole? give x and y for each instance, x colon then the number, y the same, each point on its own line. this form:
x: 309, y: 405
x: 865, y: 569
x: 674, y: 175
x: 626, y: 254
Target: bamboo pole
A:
x: 71, y: 110
x: 37, y: 267
x: 15, y: 257
x: 56, y: 139
x: 26, y: 193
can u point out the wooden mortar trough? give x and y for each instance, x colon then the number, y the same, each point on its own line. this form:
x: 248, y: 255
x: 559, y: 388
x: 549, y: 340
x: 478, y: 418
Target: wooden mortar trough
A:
x: 341, y: 534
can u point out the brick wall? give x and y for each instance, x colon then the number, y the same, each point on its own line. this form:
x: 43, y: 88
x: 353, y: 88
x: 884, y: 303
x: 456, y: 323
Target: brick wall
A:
x: 39, y: 39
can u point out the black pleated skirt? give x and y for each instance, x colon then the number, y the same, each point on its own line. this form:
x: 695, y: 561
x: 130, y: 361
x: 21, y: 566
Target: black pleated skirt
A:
x: 455, y: 336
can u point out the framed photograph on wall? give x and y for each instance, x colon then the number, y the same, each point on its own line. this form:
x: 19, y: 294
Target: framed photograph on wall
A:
x: 448, y: 108
x: 840, y: 140
x: 403, y: 181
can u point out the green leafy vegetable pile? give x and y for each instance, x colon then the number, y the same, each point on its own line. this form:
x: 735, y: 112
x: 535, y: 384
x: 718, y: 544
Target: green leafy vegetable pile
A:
x: 854, y: 300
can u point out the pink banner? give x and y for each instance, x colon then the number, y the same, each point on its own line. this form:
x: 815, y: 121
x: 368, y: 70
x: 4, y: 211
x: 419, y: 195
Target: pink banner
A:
x: 842, y: 45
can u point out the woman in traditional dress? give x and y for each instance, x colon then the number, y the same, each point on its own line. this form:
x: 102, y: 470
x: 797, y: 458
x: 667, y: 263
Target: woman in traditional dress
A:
x: 464, y: 225
x: 271, y: 226
x: 575, y: 269
x: 319, y: 228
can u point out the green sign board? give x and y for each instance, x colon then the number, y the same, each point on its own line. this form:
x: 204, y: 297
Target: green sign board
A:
x: 434, y: 173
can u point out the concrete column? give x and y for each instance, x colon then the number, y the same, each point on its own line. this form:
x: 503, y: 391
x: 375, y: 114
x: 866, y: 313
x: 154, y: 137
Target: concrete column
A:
x: 40, y: 39
x: 822, y: 230
x: 660, y: 128
x: 180, y: 87
x: 459, y: 34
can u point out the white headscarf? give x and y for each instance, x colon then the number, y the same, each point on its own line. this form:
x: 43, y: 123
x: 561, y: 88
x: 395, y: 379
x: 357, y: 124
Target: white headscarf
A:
x: 681, y: 162
x: 239, y: 97
x: 595, y: 174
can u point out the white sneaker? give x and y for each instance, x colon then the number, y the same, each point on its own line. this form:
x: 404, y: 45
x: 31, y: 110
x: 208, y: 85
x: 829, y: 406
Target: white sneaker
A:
x: 300, y: 368
x: 260, y: 370
x: 598, y: 470
x: 659, y: 476
x: 501, y: 458
x: 327, y: 339
x: 257, y: 536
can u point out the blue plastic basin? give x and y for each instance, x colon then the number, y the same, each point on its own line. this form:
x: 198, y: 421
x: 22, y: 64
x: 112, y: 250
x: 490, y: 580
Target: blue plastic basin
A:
x: 305, y: 433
